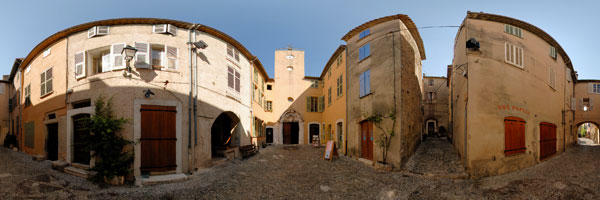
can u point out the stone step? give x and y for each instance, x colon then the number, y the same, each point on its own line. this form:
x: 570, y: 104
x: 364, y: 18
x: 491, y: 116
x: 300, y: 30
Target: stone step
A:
x: 77, y: 172
x: 80, y: 166
x: 161, y: 179
x: 219, y: 161
x: 59, y: 165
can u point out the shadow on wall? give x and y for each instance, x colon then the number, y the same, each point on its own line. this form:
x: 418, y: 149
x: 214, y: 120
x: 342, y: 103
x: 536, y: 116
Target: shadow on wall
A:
x: 170, y: 111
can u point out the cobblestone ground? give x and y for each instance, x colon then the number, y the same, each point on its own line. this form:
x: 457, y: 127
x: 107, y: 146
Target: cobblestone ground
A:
x: 436, y: 156
x: 279, y: 172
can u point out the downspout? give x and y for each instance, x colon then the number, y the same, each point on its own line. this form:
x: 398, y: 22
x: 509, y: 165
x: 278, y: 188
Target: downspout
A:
x: 190, y: 99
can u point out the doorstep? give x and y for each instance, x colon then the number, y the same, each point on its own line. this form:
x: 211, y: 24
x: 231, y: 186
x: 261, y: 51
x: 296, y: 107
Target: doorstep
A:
x: 160, y: 179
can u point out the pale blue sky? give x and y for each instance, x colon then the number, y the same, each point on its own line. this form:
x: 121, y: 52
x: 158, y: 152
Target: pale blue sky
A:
x: 313, y: 25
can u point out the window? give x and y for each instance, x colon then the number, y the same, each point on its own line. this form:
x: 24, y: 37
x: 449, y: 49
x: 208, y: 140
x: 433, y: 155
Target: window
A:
x: 46, y: 82
x: 290, y: 68
x: 430, y: 82
x: 365, y: 33
x: 165, y: 28
x: 514, y: 136
x: 98, y: 30
x: 255, y: 75
x: 27, y: 69
x: 365, y: 83
x: 314, y: 84
x: 164, y: 57
x: 364, y: 51
x: 233, y: 79
x: 586, y: 104
x: 328, y: 73
x: 269, y: 87
x: 431, y: 96
x: 553, y: 53
x: 312, y: 104
x: 340, y: 86
x: 46, y: 52
x: 118, y: 62
x: 329, y: 96
x: 27, y: 93
x: 513, y: 30
x: 269, y: 106
x: 594, y: 88
x: 513, y: 55
x: 290, y: 99
x: 552, y: 78
x: 233, y: 53
x: 142, y: 57
x: 339, y: 60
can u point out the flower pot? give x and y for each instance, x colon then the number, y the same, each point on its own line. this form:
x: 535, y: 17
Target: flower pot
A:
x: 116, y: 180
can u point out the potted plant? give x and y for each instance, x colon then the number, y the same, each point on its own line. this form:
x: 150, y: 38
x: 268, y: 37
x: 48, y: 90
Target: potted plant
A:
x: 112, y: 153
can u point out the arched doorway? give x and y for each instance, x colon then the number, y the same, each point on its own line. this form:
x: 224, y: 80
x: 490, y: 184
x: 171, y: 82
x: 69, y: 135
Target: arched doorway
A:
x: 588, y: 133
x: 224, y: 134
x: 430, y: 126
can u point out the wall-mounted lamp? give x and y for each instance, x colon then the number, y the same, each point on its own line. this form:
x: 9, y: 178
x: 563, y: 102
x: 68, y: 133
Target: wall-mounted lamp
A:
x: 147, y: 93
x: 200, y: 44
x: 472, y: 44
x: 128, y: 52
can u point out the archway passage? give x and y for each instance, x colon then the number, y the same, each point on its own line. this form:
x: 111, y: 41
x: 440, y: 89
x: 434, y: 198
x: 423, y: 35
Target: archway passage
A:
x: 223, y: 134
x: 588, y: 134
x: 80, y: 155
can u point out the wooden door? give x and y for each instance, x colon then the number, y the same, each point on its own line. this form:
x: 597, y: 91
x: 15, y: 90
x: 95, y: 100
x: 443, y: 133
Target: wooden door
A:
x: 314, y: 131
x: 52, y: 142
x: 287, y: 133
x: 547, y: 140
x: 367, y: 140
x: 269, y: 135
x: 295, y: 135
x: 158, y: 139
x: 80, y: 135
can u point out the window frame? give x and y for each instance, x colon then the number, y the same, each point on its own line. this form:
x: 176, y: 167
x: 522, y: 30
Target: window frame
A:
x: 515, y: 52
x: 513, y: 30
x: 365, y: 83
x: 235, y: 74
x: 364, y: 33
x: 553, y: 52
x: 45, y: 82
x: 340, y: 86
x: 362, y: 55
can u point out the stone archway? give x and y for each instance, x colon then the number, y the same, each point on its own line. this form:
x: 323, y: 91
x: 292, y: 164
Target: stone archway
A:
x: 290, y: 128
x: 588, y: 133
x: 224, y: 134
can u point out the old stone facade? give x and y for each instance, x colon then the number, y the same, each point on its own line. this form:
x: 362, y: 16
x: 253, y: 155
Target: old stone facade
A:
x: 511, y: 86
x: 435, y: 103
x: 587, y: 93
x: 384, y: 78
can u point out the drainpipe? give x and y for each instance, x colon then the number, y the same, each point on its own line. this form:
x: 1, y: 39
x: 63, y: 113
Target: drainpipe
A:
x: 190, y: 48
x: 395, y: 110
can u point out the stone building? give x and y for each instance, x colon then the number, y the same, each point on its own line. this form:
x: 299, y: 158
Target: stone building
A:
x: 435, y: 103
x: 384, y: 76
x: 511, y: 88
x: 587, y: 93
x: 187, y: 92
x: 5, y: 85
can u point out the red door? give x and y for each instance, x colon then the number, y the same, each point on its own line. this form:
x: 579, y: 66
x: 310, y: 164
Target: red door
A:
x: 367, y: 139
x: 547, y: 140
x: 287, y: 133
x: 158, y: 139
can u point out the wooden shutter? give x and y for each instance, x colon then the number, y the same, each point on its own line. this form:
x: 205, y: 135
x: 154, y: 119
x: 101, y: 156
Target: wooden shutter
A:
x: 591, y: 88
x: 308, y: 98
x: 159, y: 28
x: 118, y: 62
x: 237, y: 81
x: 172, y: 29
x: 361, y: 81
x: 573, y: 104
x: 102, y: 30
x: 321, y: 103
x: 367, y: 82
x: 80, y: 65
x: 514, y: 136
x: 171, y: 57
x: 142, y: 58
x: 568, y: 74
x: 552, y: 77
x: 591, y: 104
x: 92, y: 32
x: 519, y: 56
x: 230, y: 78
x: 106, y: 63
x: 29, y: 134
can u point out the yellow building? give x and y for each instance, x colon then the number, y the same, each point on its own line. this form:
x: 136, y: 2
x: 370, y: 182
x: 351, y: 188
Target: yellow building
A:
x: 587, y: 94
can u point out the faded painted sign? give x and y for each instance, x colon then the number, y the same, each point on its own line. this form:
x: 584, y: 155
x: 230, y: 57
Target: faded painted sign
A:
x: 513, y: 108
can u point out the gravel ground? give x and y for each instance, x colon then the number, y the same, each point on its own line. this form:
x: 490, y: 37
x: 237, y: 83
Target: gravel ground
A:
x: 298, y: 172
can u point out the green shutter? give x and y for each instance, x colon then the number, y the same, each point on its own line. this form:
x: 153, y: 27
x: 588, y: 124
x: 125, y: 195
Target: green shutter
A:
x: 321, y: 103
x: 308, y: 104
x: 506, y: 28
x: 29, y: 134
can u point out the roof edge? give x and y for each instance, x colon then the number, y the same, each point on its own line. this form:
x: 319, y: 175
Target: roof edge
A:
x: 334, y: 56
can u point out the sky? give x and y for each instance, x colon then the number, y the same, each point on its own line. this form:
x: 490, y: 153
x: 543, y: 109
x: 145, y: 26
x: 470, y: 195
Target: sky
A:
x: 316, y: 26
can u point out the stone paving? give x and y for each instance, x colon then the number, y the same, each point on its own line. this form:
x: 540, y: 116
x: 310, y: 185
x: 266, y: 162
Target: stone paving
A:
x: 299, y: 172
x: 436, y: 157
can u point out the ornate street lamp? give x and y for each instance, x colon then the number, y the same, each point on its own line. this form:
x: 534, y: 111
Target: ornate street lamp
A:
x: 128, y: 52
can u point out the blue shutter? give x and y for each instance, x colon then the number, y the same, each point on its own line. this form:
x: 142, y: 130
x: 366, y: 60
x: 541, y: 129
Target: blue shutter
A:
x: 367, y: 50
x: 367, y: 82
x: 362, y: 84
